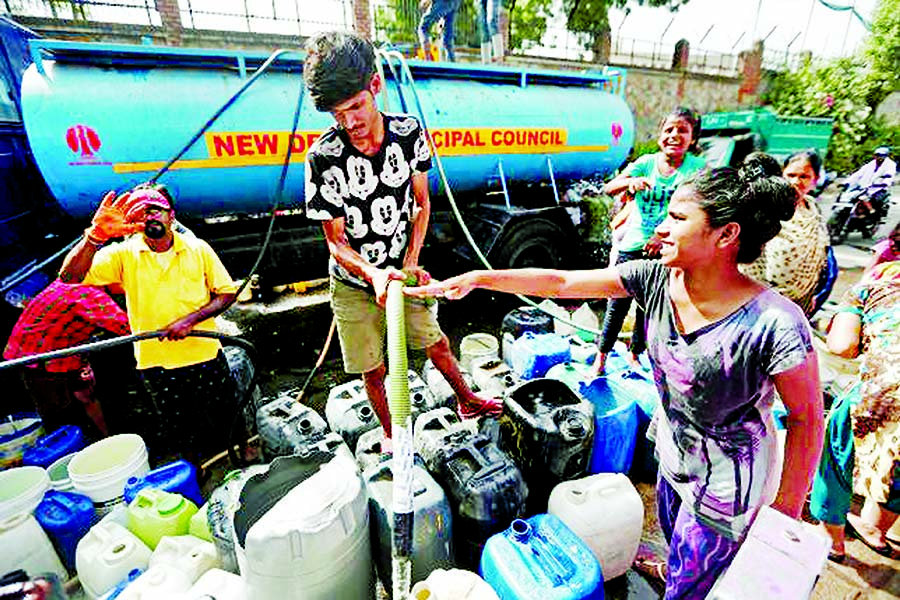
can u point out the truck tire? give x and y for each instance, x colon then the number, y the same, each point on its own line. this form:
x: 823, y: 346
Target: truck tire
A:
x: 533, y: 243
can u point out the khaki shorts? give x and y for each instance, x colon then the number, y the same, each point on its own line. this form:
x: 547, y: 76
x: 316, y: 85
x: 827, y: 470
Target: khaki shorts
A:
x: 361, y: 326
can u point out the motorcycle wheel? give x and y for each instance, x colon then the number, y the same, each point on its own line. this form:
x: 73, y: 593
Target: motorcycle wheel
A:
x: 836, y: 225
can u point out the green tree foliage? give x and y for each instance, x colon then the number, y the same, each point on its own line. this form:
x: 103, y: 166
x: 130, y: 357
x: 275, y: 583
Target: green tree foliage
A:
x: 848, y: 90
x: 528, y: 22
x: 592, y: 17
x: 882, y: 48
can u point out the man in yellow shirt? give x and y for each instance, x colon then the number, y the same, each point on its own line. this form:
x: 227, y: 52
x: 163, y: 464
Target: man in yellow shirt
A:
x: 174, y: 283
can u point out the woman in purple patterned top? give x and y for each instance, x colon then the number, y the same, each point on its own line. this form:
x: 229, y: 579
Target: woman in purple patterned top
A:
x: 720, y: 345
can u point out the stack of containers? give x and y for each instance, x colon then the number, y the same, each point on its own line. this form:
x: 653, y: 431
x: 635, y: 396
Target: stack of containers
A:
x: 302, y: 530
x: 541, y: 558
x: 640, y: 386
x: 349, y: 412
x: 549, y: 432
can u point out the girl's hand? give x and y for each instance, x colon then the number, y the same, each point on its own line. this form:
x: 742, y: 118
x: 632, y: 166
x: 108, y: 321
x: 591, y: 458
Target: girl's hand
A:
x: 637, y: 184
x: 653, y: 246
x: 452, y: 289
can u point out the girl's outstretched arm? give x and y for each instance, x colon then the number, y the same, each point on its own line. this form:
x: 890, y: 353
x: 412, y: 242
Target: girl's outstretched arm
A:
x: 545, y: 283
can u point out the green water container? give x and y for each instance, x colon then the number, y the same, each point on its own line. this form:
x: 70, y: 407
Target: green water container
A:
x: 199, y: 526
x: 154, y: 513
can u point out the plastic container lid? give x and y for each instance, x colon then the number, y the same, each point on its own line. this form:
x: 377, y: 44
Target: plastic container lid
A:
x: 170, y: 504
x: 21, y: 490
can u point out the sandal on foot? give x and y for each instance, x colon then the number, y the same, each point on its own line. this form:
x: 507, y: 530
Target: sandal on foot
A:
x: 883, y: 550
x: 648, y: 563
x: 837, y: 557
x: 489, y: 408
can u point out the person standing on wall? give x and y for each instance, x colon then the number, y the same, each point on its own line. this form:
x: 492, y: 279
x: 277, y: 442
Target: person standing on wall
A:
x: 174, y: 283
x: 436, y: 10
x: 367, y: 181
x: 489, y: 25
x: 63, y: 315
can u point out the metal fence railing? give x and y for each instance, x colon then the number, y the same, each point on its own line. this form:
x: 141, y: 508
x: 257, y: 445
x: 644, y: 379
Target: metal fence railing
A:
x: 285, y: 17
x: 395, y: 21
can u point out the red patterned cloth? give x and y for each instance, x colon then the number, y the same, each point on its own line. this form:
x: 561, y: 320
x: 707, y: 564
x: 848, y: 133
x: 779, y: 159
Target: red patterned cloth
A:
x: 61, y: 316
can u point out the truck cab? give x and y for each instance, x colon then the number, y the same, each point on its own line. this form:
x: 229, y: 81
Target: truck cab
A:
x: 727, y: 138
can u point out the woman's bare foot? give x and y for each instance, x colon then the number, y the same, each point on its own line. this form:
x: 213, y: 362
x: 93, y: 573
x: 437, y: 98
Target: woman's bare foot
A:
x: 836, y: 534
x: 599, y: 365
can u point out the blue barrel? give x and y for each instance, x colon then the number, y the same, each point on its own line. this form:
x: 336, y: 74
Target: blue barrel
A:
x: 532, y: 355
x: 103, y: 116
x: 541, y: 558
x: 66, y: 517
x: 615, y: 425
x: 179, y: 477
x: 53, y: 446
x: 641, y: 386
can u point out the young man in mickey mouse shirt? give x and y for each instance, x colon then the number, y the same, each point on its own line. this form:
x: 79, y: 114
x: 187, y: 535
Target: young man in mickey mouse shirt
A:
x: 367, y: 181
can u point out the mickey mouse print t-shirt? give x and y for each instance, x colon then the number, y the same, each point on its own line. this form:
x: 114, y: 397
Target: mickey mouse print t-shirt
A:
x: 372, y: 193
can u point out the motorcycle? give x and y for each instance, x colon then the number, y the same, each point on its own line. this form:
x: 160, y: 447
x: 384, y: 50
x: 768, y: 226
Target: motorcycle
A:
x: 857, y: 209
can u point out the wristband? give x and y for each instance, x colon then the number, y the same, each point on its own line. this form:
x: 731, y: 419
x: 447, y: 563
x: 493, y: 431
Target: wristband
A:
x: 92, y: 241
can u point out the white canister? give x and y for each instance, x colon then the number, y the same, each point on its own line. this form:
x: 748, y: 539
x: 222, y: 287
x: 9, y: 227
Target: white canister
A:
x: 24, y: 545
x: 454, y: 584
x: 190, y: 555
x: 157, y: 583
x: 606, y: 512
x: 217, y: 584
x: 106, y: 555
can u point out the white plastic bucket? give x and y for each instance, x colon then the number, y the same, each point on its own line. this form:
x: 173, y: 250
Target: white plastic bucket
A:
x: 101, y: 470
x: 59, y: 474
x: 21, y: 490
x: 477, y: 345
x: 24, y: 545
x: 454, y: 584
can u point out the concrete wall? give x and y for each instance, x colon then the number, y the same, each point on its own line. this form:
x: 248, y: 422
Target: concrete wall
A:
x: 652, y: 94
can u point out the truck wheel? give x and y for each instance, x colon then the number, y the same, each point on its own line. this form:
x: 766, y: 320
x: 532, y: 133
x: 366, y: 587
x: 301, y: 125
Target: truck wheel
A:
x: 535, y: 243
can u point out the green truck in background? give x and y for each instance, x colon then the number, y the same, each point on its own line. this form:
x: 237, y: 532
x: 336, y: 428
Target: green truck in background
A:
x: 726, y: 138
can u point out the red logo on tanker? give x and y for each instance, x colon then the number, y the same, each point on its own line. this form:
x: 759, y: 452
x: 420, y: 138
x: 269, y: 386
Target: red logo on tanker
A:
x: 83, y: 139
x: 617, y: 132
x: 84, y: 142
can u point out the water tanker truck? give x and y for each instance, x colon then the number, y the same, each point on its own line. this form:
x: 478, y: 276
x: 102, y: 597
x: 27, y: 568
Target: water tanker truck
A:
x: 84, y: 118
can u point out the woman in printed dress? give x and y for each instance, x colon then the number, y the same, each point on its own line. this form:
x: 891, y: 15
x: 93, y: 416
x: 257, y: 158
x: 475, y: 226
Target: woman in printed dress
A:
x: 793, y: 260
x: 720, y: 345
x: 862, y: 450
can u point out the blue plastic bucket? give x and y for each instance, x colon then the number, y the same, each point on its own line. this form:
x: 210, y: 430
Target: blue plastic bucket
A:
x: 534, y: 354
x: 615, y: 425
x: 53, y: 446
x: 179, y: 477
x: 66, y: 517
x: 644, y: 467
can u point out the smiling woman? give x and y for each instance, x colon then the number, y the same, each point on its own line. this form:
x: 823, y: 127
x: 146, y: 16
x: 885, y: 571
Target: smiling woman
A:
x: 720, y: 345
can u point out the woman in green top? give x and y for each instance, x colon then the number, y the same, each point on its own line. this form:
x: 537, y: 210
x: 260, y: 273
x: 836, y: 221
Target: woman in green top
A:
x: 649, y: 182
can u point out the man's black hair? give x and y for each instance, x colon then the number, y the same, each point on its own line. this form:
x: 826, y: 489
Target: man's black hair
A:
x: 338, y: 66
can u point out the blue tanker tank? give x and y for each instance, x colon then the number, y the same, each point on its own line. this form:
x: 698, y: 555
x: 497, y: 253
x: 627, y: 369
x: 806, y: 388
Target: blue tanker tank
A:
x: 101, y: 117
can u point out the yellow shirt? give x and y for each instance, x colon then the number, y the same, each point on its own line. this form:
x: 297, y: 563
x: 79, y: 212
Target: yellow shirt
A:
x: 161, y: 288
